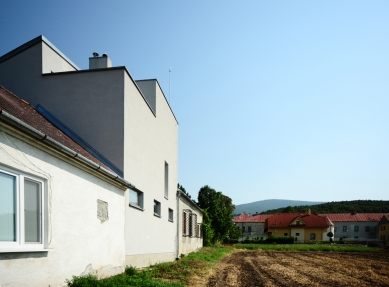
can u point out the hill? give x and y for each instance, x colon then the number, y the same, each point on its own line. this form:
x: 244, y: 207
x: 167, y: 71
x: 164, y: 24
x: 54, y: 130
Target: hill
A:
x: 359, y: 206
x: 270, y: 204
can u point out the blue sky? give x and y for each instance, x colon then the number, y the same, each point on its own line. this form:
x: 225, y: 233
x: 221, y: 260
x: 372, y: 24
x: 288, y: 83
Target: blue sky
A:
x: 275, y: 99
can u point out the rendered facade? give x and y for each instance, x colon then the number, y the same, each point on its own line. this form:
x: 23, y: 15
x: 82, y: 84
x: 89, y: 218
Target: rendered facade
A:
x: 61, y: 209
x: 355, y: 226
x: 252, y: 226
x: 303, y: 227
x: 132, y: 129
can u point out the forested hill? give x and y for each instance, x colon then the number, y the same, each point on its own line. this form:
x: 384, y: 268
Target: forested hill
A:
x: 359, y: 206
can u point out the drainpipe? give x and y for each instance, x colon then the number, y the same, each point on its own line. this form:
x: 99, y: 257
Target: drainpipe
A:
x: 178, y: 224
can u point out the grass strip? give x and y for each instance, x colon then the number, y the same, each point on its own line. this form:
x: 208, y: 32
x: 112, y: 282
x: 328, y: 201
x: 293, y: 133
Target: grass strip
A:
x: 306, y: 247
x: 168, y: 274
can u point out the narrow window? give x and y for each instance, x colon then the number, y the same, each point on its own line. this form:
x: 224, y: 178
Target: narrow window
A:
x: 344, y: 228
x: 166, y: 180
x: 157, y: 208
x: 356, y: 228
x: 298, y: 222
x: 312, y: 236
x: 32, y: 212
x: 285, y: 234
x: 170, y: 214
x: 184, y: 223
x: 249, y: 229
x: 243, y: 229
x: 7, y: 207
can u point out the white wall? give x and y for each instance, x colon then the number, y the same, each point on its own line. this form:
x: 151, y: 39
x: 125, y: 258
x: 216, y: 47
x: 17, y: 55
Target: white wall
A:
x: 77, y: 238
x: 149, y: 142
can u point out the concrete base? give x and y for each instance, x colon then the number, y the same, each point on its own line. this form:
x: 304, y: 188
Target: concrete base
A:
x: 144, y: 260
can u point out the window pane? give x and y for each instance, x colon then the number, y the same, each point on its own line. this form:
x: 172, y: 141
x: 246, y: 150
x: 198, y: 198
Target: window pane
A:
x: 7, y: 207
x: 134, y: 197
x: 32, y: 212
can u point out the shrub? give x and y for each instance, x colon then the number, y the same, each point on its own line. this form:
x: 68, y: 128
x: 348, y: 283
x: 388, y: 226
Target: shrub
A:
x: 83, y: 281
x: 130, y: 271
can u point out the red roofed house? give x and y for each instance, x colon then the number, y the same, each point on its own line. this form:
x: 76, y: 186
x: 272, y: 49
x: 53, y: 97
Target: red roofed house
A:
x: 383, y: 228
x: 302, y: 226
x: 61, y: 209
x: 251, y: 226
x: 355, y: 226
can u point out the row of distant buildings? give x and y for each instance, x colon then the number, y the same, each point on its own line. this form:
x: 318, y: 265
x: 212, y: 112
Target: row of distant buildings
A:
x: 306, y: 226
x: 88, y: 170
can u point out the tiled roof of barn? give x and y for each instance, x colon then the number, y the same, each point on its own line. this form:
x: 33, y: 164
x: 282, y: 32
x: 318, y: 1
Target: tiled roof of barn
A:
x: 358, y: 217
x: 23, y: 111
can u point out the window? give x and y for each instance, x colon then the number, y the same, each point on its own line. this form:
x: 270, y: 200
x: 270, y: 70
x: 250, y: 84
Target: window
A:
x: 336, y: 228
x: 192, y: 225
x: 186, y: 222
x: 166, y: 180
x: 312, y: 236
x: 21, y: 211
x: 367, y: 228
x: 297, y: 234
x: 356, y: 228
x: 243, y: 229
x: 170, y: 213
x: 157, y: 208
x: 344, y: 228
x: 298, y: 222
x: 285, y: 234
x: 249, y: 228
x: 198, y: 230
x: 136, y: 199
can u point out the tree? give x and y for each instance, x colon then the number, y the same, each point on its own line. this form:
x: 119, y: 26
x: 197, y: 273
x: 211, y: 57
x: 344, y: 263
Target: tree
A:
x: 179, y: 186
x: 330, y: 235
x: 219, y: 209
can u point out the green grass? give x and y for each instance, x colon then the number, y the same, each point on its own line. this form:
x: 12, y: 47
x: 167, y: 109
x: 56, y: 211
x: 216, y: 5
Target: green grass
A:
x: 169, y: 274
x: 307, y: 247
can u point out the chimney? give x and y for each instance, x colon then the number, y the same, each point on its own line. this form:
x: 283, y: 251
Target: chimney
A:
x: 309, y: 211
x: 97, y: 62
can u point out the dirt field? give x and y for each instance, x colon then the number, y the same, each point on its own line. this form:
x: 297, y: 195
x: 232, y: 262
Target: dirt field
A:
x: 283, y: 268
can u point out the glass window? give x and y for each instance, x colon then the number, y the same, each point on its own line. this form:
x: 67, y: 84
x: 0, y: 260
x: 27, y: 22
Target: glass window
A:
x: 297, y: 234
x: 32, y: 212
x: 312, y: 236
x: 21, y: 210
x: 157, y: 208
x: 344, y: 228
x: 166, y: 180
x: 298, y: 222
x: 136, y: 198
x: 356, y: 228
x: 249, y: 229
x: 7, y: 207
x: 171, y: 215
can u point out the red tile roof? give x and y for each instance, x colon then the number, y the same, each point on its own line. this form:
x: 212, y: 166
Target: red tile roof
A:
x: 286, y: 219
x: 358, y: 217
x: 23, y: 111
x: 251, y: 218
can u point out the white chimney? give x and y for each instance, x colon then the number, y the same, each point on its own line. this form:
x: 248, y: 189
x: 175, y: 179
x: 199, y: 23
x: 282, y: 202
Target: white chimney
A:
x: 97, y: 62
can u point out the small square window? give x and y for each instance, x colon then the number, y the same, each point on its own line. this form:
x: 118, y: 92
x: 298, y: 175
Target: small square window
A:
x: 170, y: 214
x: 157, y: 208
x: 285, y: 234
x: 356, y: 228
x: 136, y: 198
x: 298, y: 222
x: 297, y: 234
x: 344, y: 228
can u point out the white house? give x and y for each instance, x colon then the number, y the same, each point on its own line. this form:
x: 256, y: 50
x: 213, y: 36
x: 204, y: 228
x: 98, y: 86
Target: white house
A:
x: 61, y: 209
x: 126, y: 125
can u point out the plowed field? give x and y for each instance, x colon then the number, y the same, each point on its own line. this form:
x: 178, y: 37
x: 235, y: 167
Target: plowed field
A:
x: 286, y: 268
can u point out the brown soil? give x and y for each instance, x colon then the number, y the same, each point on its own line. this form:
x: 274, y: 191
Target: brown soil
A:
x: 283, y: 268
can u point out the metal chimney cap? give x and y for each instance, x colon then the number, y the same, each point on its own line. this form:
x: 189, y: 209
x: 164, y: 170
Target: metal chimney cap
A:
x: 95, y: 54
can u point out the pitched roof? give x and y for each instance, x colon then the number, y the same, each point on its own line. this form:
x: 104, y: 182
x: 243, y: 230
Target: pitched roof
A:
x: 358, y: 217
x: 256, y: 218
x: 286, y: 219
x: 384, y: 219
x: 23, y: 111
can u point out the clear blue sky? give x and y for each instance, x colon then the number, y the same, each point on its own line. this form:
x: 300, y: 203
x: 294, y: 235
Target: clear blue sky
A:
x: 275, y: 99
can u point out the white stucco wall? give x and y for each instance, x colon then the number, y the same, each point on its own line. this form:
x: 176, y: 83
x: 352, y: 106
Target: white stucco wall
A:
x: 77, y: 239
x: 149, y: 142
x: 188, y: 244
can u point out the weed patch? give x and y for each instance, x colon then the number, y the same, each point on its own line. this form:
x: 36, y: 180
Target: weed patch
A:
x: 307, y: 247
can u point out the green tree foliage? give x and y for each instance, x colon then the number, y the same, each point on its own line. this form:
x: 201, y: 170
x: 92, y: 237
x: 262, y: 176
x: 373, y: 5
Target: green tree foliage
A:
x: 179, y: 186
x: 358, y: 206
x: 219, y: 209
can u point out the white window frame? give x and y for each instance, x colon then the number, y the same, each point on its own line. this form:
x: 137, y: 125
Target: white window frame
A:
x: 19, y: 245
